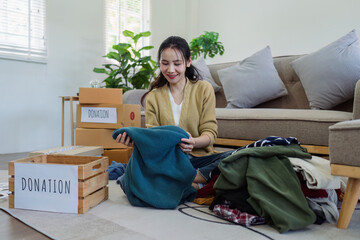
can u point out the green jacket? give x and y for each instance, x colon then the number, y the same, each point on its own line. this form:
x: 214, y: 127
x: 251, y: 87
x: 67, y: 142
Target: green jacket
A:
x: 274, y: 189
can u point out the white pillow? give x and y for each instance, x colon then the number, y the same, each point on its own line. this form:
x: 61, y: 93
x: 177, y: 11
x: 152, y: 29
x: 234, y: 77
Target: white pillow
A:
x: 204, y: 71
x: 252, y: 81
x: 329, y: 75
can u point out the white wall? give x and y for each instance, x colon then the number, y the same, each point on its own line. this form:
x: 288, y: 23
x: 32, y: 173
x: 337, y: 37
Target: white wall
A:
x: 168, y: 17
x: 29, y: 92
x: 287, y: 26
x: 30, y: 109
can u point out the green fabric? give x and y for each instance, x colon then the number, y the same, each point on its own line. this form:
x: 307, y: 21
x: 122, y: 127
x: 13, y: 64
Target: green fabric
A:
x: 274, y: 189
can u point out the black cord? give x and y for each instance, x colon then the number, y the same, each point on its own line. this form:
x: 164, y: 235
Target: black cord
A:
x: 181, y: 209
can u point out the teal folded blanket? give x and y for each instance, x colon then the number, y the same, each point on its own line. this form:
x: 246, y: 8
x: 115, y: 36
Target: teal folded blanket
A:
x: 159, y: 174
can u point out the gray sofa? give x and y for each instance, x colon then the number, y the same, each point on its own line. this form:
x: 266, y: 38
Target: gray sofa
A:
x: 285, y: 116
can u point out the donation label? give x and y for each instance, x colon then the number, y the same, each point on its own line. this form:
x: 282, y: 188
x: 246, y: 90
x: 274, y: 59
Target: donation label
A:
x: 46, y: 187
x: 98, y: 115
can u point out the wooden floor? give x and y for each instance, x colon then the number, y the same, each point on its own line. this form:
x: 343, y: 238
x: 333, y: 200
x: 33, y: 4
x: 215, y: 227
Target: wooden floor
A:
x: 10, y: 227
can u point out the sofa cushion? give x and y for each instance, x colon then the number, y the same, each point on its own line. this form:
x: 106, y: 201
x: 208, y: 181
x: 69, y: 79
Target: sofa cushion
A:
x: 344, y: 143
x: 309, y: 126
x: 329, y: 75
x: 133, y: 96
x: 204, y: 71
x: 252, y: 81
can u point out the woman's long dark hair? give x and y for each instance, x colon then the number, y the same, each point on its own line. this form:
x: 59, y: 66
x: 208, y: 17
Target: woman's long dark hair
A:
x: 182, y: 46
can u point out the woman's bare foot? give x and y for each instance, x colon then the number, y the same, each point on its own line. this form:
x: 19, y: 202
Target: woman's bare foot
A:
x: 196, y: 186
x: 199, y: 178
x: 199, y: 181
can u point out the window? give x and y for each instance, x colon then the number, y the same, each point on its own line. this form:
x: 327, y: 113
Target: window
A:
x: 123, y: 15
x: 22, y: 30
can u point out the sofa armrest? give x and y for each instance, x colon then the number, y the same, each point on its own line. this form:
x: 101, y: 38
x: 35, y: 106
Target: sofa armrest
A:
x: 134, y: 96
x: 356, y: 108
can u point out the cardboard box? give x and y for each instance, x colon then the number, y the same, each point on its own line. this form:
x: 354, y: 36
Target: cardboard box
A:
x: 100, y: 95
x: 92, y: 180
x: 111, y: 116
x: 96, y: 137
x: 71, y: 150
x: 118, y: 155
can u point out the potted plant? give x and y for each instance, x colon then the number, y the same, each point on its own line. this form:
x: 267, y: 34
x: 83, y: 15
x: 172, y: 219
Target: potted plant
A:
x: 128, y: 68
x: 206, y: 44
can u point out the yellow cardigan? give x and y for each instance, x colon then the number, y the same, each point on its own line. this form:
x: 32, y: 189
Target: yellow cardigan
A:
x: 197, y: 112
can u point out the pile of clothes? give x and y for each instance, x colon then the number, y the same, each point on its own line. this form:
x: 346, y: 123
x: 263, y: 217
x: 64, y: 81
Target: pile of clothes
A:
x: 273, y: 181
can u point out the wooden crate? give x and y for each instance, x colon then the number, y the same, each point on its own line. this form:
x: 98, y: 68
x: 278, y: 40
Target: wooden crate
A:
x: 92, y: 177
x: 121, y: 155
x: 71, y: 150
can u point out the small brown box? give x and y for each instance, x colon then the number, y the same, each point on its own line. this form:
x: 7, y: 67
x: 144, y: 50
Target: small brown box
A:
x: 118, y: 155
x: 96, y: 137
x: 92, y: 177
x: 100, y: 116
x: 100, y: 95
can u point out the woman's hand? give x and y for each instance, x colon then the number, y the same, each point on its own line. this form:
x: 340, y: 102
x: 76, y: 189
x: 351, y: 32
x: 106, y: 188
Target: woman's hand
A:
x: 187, y: 144
x: 124, y: 139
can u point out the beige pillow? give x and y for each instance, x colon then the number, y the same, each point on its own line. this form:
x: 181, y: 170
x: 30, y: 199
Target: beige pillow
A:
x: 252, y: 81
x: 329, y: 75
x: 204, y: 71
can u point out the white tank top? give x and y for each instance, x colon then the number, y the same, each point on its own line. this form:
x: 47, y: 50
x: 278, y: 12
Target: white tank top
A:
x: 176, y: 109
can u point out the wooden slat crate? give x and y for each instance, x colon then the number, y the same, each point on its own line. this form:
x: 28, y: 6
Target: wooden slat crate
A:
x: 92, y: 177
x: 121, y: 155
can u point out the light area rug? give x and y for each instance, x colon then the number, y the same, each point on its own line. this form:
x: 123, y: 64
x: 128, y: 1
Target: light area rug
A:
x: 117, y: 219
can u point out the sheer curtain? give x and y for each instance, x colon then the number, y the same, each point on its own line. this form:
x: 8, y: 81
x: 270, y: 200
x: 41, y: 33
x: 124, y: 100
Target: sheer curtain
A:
x: 123, y: 15
x: 22, y: 30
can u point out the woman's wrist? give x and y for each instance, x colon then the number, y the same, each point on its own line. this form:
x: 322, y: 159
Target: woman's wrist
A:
x: 202, y: 141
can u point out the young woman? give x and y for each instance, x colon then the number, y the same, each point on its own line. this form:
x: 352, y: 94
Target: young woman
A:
x: 178, y: 97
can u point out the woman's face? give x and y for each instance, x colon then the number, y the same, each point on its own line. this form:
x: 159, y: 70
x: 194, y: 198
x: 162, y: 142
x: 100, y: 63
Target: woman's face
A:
x: 173, y: 65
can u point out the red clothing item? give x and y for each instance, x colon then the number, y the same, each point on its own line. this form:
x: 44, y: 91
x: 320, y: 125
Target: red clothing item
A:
x: 208, y: 189
x: 234, y: 215
x: 311, y: 193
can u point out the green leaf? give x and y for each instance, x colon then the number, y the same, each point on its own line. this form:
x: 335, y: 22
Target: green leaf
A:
x: 128, y: 33
x: 154, y: 63
x: 109, y: 66
x: 113, y: 73
x: 140, y: 78
x: 136, y: 53
x: 145, y: 59
x: 206, y: 44
x: 111, y: 82
x: 146, y: 48
x: 145, y: 34
x: 100, y: 70
x: 136, y: 38
x: 132, y: 70
x: 113, y: 55
x: 127, y: 56
x: 121, y: 47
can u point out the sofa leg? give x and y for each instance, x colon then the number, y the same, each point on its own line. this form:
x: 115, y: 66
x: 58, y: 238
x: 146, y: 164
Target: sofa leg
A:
x: 351, y: 197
